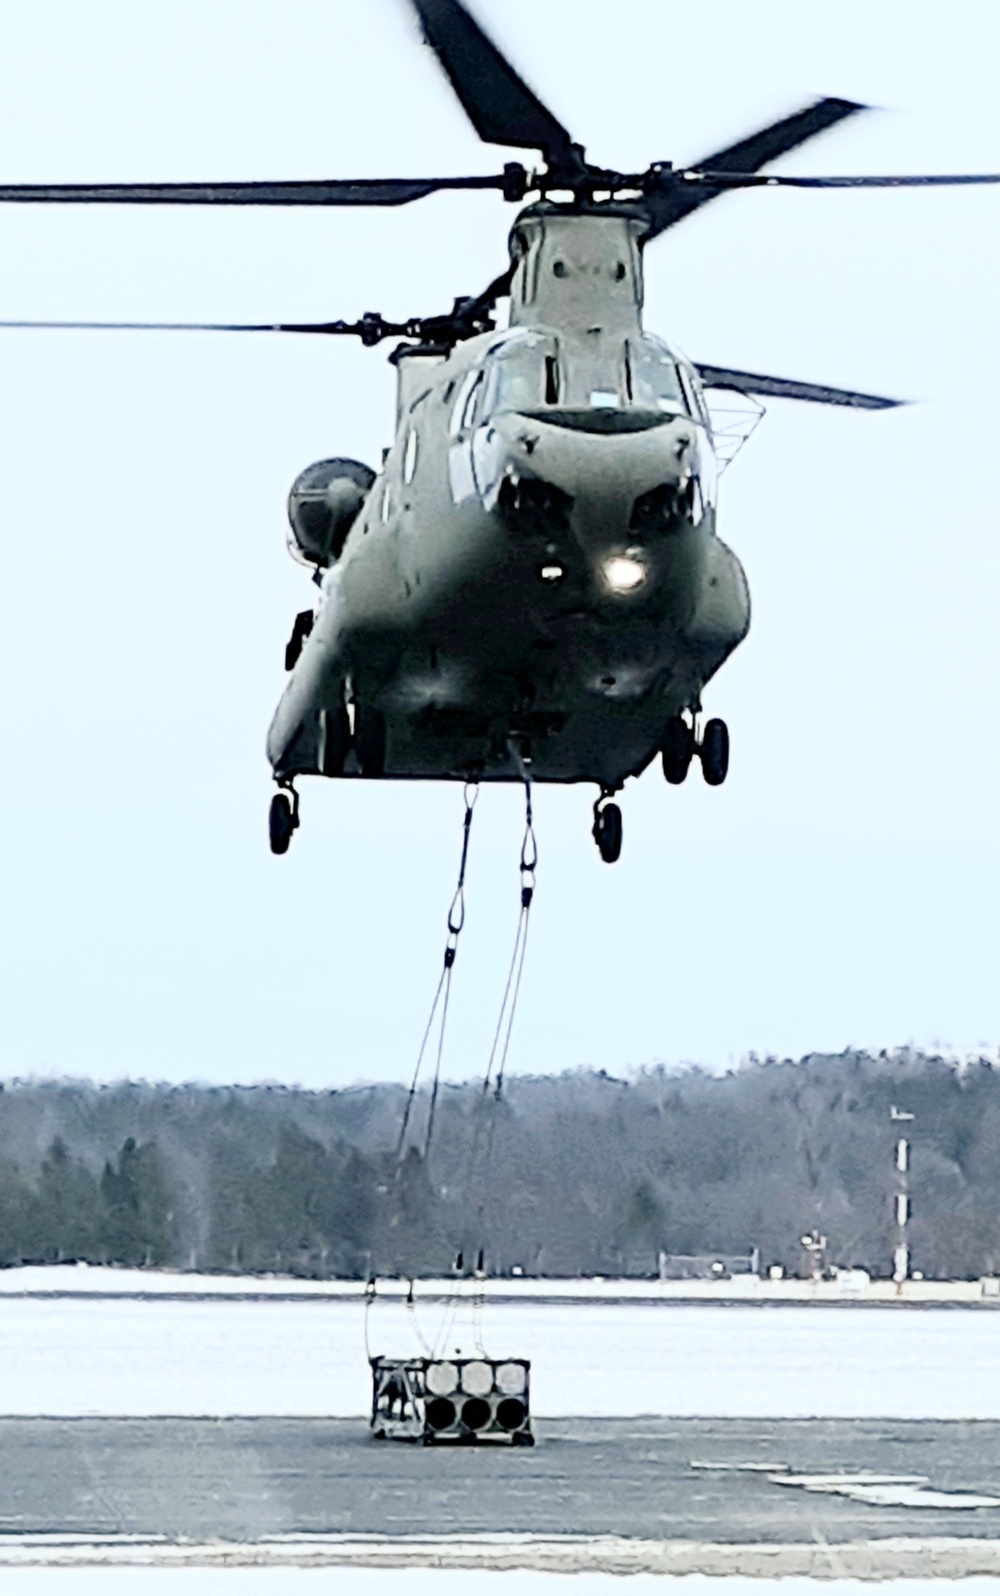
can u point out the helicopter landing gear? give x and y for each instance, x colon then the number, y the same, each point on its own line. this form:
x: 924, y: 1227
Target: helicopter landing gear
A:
x: 608, y: 829
x: 714, y: 752
x: 335, y: 741
x: 678, y: 749
x: 283, y: 819
x: 369, y: 741
x: 300, y: 631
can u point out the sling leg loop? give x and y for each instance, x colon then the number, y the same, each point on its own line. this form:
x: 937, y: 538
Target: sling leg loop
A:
x: 508, y: 1006
x: 456, y: 921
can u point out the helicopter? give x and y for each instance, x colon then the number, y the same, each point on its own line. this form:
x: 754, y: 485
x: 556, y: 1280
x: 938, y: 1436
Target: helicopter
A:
x: 532, y: 586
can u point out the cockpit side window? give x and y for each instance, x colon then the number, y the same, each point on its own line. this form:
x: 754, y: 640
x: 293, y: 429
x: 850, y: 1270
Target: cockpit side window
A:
x: 465, y: 404
x: 472, y: 402
x: 693, y: 395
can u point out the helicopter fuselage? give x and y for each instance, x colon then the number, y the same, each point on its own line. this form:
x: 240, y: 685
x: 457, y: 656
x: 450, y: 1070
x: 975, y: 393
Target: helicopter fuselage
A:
x: 534, y: 579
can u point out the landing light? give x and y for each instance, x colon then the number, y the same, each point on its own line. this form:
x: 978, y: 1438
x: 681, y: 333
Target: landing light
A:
x: 623, y: 573
x: 552, y: 572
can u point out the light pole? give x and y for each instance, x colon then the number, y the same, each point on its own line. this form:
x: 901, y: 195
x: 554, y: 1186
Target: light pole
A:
x: 815, y: 1245
x: 901, y: 1253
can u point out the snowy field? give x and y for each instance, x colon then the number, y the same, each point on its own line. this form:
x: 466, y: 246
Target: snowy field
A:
x: 72, y: 1356
x: 429, y: 1582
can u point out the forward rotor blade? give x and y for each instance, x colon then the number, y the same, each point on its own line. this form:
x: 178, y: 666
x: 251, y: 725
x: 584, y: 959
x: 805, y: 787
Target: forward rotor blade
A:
x: 375, y: 191
x: 724, y: 180
x: 346, y: 329
x: 498, y: 103
x: 677, y: 200
x: 753, y: 382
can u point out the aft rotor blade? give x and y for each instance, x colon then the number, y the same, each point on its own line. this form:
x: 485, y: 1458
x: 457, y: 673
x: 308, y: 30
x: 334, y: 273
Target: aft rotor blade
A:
x: 498, y: 103
x: 752, y: 382
x: 678, y: 199
x: 724, y: 180
x: 338, y: 191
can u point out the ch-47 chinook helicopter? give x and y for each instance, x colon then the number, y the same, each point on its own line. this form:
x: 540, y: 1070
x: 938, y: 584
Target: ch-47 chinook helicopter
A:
x: 532, y: 586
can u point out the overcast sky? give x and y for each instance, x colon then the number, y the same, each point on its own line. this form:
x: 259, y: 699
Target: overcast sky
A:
x: 841, y: 888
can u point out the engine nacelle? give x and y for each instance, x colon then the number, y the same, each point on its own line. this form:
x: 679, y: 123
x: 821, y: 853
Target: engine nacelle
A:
x: 323, y: 506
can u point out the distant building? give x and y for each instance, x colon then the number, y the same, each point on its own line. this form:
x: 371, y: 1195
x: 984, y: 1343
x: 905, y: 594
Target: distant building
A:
x: 707, y: 1266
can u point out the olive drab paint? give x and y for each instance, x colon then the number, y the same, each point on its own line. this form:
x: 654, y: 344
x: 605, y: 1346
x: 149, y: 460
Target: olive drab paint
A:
x: 535, y: 571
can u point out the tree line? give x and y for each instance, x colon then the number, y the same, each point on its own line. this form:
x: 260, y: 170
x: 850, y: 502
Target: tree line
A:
x: 582, y: 1173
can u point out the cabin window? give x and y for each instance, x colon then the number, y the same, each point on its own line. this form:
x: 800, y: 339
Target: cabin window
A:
x: 410, y: 457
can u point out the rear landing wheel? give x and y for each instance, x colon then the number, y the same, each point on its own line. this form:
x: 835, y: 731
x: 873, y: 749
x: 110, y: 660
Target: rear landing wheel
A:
x: 714, y: 752
x: 369, y: 741
x: 282, y: 821
x: 608, y: 831
x: 336, y: 741
x: 678, y: 750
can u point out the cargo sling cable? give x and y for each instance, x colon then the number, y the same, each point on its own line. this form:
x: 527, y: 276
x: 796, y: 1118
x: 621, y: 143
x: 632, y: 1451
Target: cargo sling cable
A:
x: 496, y: 1063
x: 442, y: 997
x: 486, y: 1119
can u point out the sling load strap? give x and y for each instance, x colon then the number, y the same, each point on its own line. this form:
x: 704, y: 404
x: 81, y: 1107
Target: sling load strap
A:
x: 369, y: 1299
x: 508, y: 1006
x: 486, y: 1120
x: 456, y: 921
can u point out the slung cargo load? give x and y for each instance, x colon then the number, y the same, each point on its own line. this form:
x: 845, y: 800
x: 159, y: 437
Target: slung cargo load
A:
x: 464, y: 1400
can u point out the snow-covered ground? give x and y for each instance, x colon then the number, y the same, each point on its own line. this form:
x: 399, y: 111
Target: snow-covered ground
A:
x: 847, y: 1286
x: 127, y: 1356
x: 423, y: 1582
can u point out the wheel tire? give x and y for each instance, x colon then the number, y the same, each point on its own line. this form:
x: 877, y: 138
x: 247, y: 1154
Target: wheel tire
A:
x: 369, y: 742
x: 336, y: 740
x: 281, y: 822
x: 715, y: 753
x: 678, y: 750
x: 608, y: 833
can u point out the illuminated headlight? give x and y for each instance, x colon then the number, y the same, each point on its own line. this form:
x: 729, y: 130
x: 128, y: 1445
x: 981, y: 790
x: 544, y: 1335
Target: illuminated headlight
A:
x: 552, y: 571
x: 623, y: 573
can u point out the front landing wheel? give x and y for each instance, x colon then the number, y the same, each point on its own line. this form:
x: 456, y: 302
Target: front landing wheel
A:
x: 282, y: 821
x: 608, y: 832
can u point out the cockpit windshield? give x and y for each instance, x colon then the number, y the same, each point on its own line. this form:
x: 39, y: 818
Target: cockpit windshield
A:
x: 656, y: 382
x: 522, y: 374
x: 621, y: 385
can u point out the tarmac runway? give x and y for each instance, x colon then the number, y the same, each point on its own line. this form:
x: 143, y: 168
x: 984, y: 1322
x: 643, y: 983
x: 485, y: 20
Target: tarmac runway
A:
x: 240, y: 1481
